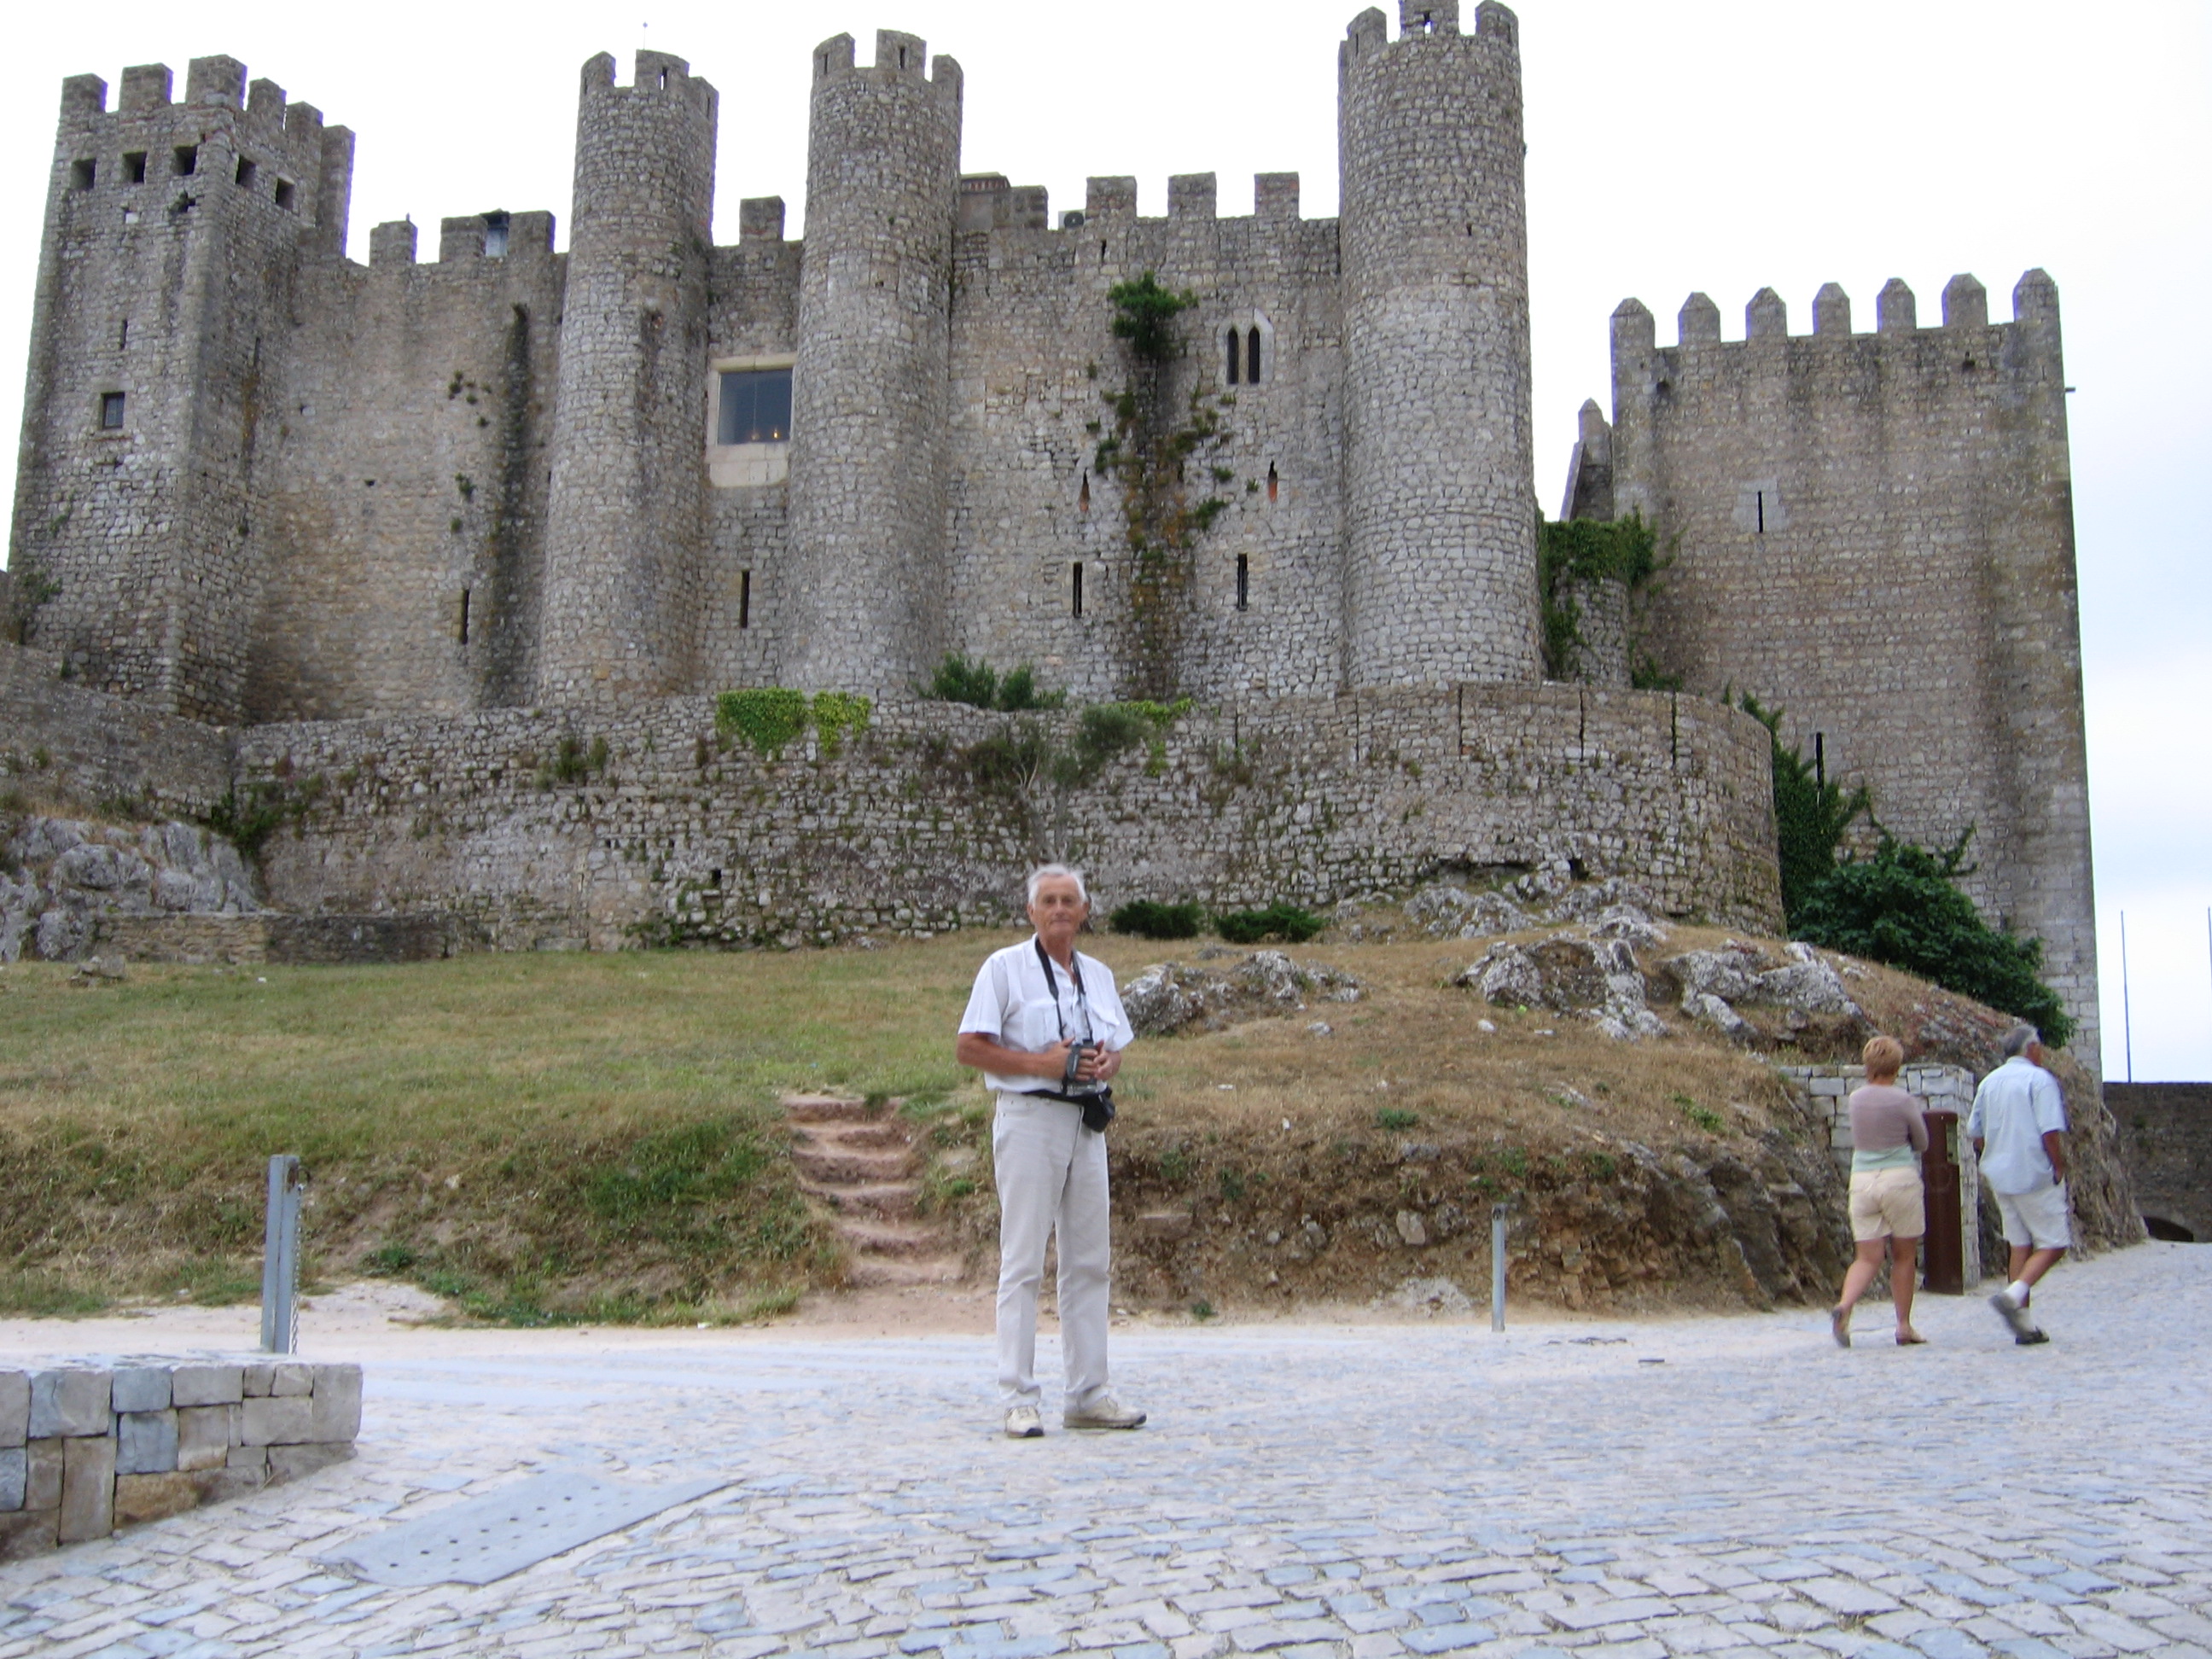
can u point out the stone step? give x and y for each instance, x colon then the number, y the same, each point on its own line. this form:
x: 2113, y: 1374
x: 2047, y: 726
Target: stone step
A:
x: 891, y: 1238
x: 836, y: 1166
x: 865, y: 1133
x: 885, y: 1197
x: 822, y: 1108
x: 870, y: 1272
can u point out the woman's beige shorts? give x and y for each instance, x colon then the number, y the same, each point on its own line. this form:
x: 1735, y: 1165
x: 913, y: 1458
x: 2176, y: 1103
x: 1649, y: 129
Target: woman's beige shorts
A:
x: 1886, y: 1204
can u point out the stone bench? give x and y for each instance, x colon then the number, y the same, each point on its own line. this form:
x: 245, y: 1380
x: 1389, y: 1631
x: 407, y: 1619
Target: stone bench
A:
x: 90, y: 1445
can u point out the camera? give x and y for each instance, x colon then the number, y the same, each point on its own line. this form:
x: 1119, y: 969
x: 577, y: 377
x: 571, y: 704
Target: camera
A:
x: 1071, y: 1076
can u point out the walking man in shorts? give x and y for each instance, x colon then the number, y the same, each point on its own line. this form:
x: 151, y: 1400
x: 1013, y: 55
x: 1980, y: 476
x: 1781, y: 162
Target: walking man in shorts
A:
x: 2018, y: 1127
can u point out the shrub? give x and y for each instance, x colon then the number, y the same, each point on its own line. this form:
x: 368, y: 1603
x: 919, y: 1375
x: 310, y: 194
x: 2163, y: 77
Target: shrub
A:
x: 1810, y: 813
x: 975, y: 683
x: 1149, y: 919
x: 1903, y: 907
x: 1278, y: 921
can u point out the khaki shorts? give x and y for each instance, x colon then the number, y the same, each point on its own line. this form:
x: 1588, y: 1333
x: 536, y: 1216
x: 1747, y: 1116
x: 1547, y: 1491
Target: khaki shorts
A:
x: 1887, y: 1204
x: 2036, y: 1221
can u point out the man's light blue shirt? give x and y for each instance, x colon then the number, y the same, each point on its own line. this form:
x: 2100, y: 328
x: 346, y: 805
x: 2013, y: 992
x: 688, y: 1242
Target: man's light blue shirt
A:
x: 2016, y: 1105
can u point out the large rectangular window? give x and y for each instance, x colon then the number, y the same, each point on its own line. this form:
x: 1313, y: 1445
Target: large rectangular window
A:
x: 756, y: 406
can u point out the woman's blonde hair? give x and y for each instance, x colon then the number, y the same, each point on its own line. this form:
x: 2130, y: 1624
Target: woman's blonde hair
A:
x: 1884, y: 1056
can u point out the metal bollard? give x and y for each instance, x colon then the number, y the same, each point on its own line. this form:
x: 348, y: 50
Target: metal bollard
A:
x: 1498, y: 1266
x: 280, y: 1261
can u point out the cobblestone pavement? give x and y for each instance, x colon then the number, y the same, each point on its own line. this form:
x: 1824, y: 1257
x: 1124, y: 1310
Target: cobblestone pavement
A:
x: 1720, y: 1486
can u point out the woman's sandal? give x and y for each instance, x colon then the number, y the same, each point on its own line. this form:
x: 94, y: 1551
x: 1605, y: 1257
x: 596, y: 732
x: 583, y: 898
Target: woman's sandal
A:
x: 1909, y: 1338
x: 1839, y: 1326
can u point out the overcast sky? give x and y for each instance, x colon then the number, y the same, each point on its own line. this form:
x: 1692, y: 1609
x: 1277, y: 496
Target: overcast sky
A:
x: 1715, y: 146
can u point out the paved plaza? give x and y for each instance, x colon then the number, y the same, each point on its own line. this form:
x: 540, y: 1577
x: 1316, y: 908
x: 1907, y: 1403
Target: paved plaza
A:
x: 1630, y: 1488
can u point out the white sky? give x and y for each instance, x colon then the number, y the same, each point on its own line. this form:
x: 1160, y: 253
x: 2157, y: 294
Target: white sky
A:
x: 1714, y: 144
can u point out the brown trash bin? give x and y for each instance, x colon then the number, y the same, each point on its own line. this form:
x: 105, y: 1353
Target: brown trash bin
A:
x: 1943, y: 1251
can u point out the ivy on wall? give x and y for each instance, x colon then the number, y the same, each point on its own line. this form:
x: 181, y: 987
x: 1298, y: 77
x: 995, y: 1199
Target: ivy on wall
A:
x: 1573, y: 552
x: 772, y: 718
x: 1150, y: 450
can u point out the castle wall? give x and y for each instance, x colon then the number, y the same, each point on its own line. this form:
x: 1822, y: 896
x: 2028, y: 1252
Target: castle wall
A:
x: 173, y: 232
x: 1875, y: 532
x: 407, y: 504
x: 623, y: 529
x: 865, y: 606
x: 1440, y: 560
x: 63, y: 742
x: 752, y: 313
x: 2164, y: 1133
x: 1035, y: 368
x: 682, y: 839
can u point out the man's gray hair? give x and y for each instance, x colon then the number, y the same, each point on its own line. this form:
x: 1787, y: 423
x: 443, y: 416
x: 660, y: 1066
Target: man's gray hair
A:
x: 1065, y: 871
x: 2018, y: 1038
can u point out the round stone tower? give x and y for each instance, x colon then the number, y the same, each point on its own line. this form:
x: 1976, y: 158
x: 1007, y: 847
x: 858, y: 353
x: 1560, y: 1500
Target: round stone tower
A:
x: 623, y: 516
x: 866, y: 592
x: 1440, y: 569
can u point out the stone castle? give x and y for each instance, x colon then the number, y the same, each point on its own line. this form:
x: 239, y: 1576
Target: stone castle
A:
x: 264, y: 487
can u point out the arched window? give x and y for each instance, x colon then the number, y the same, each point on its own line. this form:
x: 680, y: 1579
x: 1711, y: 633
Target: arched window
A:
x: 1235, y: 356
x: 1252, y: 362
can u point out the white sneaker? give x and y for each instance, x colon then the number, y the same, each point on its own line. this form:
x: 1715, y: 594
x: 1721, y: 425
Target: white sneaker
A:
x: 1104, y: 1412
x: 1023, y: 1423
x: 2014, y: 1315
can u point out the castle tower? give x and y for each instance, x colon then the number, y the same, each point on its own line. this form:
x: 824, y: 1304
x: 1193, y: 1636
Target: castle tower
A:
x: 1440, y: 572
x: 173, y: 231
x: 620, y: 610
x: 866, y: 595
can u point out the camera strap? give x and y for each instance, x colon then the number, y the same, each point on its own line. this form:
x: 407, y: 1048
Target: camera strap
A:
x: 1052, y: 985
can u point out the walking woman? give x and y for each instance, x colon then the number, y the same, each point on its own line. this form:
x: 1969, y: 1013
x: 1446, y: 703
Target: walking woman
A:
x: 1888, y: 1135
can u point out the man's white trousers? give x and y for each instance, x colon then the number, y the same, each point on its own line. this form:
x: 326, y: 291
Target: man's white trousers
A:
x: 1051, y: 1172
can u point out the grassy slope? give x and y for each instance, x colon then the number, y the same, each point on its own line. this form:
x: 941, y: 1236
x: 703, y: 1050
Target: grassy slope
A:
x: 594, y: 1135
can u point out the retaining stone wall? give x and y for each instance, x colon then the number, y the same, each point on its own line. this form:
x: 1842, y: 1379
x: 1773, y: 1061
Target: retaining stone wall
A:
x: 2166, y: 1136
x: 90, y: 1445
x: 1825, y: 1091
x: 683, y: 840
x: 59, y: 737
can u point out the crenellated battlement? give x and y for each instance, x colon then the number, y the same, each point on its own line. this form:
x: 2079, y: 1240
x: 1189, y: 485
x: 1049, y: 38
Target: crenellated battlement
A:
x: 1425, y: 23
x: 899, y: 56
x: 652, y: 74
x: 1767, y: 323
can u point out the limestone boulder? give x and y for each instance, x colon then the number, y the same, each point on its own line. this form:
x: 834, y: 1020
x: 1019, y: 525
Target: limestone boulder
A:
x: 1175, y: 996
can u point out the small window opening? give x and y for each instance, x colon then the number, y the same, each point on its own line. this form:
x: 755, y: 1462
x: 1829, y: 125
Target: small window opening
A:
x: 188, y: 160
x: 284, y: 194
x: 744, y: 598
x: 245, y: 172
x: 714, y: 879
x: 123, y: 335
x: 902, y: 57
x: 1252, y: 358
x: 111, y: 412
x: 1274, y: 483
x: 464, y: 616
x: 1101, y: 253
x: 1083, y: 496
x: 495, y: 227
x: 663, y: 80
x: 81, y: 174
x: 756, y: 406
x: 1820, y: 759
x: 1236, y: 355
x: 134, y: 167
x: 1758, y: 506
x: 1075, y: 587
x: 823, y: 66
x: 1243, y: 581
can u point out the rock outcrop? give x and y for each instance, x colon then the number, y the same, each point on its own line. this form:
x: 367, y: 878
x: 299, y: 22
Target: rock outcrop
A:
x: 60, y: 877
x: 1175, y: 996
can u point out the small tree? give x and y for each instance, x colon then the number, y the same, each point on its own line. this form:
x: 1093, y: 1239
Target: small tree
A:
x: 1903, y: 907
x: 1810, y: 814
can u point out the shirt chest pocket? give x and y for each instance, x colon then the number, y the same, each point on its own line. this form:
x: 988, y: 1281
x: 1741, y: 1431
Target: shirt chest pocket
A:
x: 1036, y: 1023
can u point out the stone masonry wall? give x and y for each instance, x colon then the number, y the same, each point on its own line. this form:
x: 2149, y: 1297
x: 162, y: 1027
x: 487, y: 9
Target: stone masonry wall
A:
x: 2166, y: 1135
x: 83, y: 747
x: 680, y: 839
x: 1875, y: 532
x: 172, y: 233
x: 1440, y: 522
x: 90, y: 1445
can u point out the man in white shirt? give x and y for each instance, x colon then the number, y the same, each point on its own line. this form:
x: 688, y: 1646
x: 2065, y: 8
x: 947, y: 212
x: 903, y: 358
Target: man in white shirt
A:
x: 2018, y: 1127
x: 1046, y: 1027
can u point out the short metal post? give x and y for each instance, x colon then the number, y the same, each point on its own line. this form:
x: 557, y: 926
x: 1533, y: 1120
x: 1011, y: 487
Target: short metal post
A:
x: 1498, y: 1266
x: 280, y: 1261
